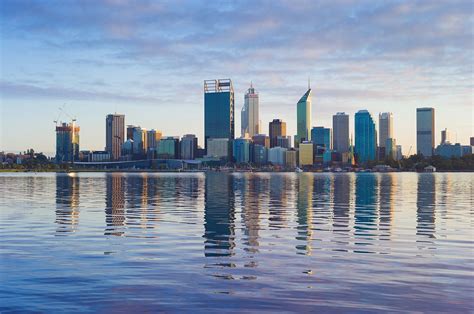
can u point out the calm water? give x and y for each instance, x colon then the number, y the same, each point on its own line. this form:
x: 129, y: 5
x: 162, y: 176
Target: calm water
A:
x: 260, y: 242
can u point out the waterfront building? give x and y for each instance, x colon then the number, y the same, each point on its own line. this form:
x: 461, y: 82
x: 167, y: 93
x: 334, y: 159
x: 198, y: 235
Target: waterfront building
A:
x: 284, y: 141
x: 365, y: 137
x: 250, y: 113
x: 67, y: 142
x: 425, y: 131
x: 291, y: 158
x: 218, y: 148
x: 168, y: 148
x: 241, y: 150
x: 276, y: 156
x: 276, y: 128
x: 114, y: 134
x: 130, y: 129
x: 467, y: 150
x: 471, y: 140
x: 218, y: 110
x: 127, y: 150
x: 139, y: 141
x: 306, y: 154
x: 152, y: 139
x: 99, y: 156
x: 399, y: 153
x: 327, y: 157
x: 340, y: 126
x: 445, y: 136
x: 303, y: 118
x: 391, y: 148
x: 189, y: 146
x: 385, y: 128
x: 260, y: 156
x: 322, y: 137
x: 261, y: 139
x: 449, y: 150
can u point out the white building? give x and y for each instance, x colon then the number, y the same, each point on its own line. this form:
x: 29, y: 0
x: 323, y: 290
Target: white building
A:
x: 385, y: 128
x: 250, y: 113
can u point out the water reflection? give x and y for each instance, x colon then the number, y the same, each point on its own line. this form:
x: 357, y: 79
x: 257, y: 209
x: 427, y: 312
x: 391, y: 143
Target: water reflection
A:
x: 386, y: 193
x: 219, y: 215
x: 115, y: 205
x: 67, y: 203
x: 425, y: 204
x: 304, y: 212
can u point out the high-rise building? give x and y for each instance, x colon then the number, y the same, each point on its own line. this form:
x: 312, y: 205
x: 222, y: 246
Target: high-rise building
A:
x: 303, y: 118
x: 322, y: 137
x: 425, y: 131
x: 260, y: 154
x: 218, y: 110
x: 67, y: 142
x: 114, y: 134
x: 445, y: 137
x: 276, y: 155
x: 365, y: 137
x: 241, y: 150
x: 340, y: 126
x: 391, y: 148
x: 290, y: 158
x: 284, y: 141
x: 189, y: 145
x: 306, y: 154
x: 168, y: 148
x: 471, y: 140
x: 250, y: 113
x: 276, y: 128
x: 385, y: 128
x: 130, y: 129
x: 152, y: 138
x: 261, y: 139
x: 139, y: 140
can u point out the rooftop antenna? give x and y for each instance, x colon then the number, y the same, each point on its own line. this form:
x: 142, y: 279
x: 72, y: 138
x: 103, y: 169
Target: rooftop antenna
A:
x: 251, y: 84
x: 309, y: 83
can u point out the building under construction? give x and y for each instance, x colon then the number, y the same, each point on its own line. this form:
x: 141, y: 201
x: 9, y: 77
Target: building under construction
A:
x: 67, y: 142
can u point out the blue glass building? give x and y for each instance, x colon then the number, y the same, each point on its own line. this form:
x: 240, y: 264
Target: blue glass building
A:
x: 241, y: 150
x: 322, y: 136
x: 218, y: 109
x: 365, y: 137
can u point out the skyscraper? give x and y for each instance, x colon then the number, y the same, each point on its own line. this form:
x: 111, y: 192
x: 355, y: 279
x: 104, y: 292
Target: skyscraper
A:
x: 114, y: 134
x: 425, y: 131
x: 340, y: 127
x: 385, y: 127
x: 321, y: 136
x: 276, y: 128
x: 445, y: 137
x: 250, y: 113
x: 303, y: 118
x: 218, y: 109
x: 67, y: 142
x: 189, y: 145
x: 365, y: 136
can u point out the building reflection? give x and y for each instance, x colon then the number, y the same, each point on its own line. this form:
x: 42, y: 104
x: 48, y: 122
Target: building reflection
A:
x: 280, y: 187
x: 365, y: 214
x: 425, y: 204
x: 342, y: 197
x: 321, y: 203
x: 115, y: 204
x: 304, y: 209
x: 386, y: 195
x: 67, y: 203
x: 219, y: 215
x: 251, y: 189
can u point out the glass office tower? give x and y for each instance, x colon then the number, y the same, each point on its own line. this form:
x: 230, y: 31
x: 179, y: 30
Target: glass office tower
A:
x: 365, y: 137
x: 340, y: 127
x: 218, y: 109
x: 114, y: 135
x: 322, y: 136
x: 67, y: 142
x: 425, y: 131
x: 303, y: 118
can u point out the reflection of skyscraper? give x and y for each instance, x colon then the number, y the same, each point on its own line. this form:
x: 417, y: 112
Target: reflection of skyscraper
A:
x: 304, y: 207
x: 115, y: 204
x: 280, y: 187
x: 365, y: 210
x: 250, y: 191
x: 67, y: 202
x: 387, y: 182
x: 219, y: 215
x: 342, y: 189
x: 425, y: 204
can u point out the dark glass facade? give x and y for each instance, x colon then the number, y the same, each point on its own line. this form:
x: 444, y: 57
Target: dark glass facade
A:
x: 218, y: 110
x: 365, y: 137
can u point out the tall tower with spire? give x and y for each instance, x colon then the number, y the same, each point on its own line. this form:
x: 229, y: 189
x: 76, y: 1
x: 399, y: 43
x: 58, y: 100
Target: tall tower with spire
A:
x: 303, y: 117
x: 250, y: 113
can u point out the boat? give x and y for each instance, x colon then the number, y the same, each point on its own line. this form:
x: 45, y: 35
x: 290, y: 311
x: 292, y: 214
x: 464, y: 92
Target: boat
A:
x: 298, y: 170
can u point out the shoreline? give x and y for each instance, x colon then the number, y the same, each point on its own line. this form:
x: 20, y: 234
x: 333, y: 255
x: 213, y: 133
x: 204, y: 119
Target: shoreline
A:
x: 204, y: 171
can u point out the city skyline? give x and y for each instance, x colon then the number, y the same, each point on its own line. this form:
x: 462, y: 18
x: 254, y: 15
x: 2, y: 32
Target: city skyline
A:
x: 126, y: 65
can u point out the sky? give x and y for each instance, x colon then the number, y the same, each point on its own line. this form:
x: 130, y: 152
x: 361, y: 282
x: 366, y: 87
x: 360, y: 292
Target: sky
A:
x: 148, y: 60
